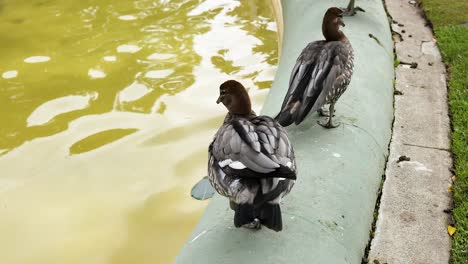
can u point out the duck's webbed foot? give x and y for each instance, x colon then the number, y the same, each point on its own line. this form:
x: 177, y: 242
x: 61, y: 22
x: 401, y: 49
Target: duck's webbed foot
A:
x: 255, y: 224
x: 244, y: 216
x: 329, y: 122
x: 351, y: 9
x: 357, y: 8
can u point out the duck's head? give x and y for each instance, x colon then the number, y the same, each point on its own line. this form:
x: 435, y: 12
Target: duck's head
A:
x: 234, y: 96
x: 332, y: 21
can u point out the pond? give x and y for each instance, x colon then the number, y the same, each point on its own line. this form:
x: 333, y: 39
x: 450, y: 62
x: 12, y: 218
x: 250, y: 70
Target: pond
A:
x: 106, y: 111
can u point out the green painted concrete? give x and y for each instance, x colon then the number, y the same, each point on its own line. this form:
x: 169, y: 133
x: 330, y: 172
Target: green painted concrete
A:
x: 328, y: 214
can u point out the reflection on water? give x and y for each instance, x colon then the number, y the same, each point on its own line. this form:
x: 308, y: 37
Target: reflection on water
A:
x: 99, y: 139
x: 106, y: 111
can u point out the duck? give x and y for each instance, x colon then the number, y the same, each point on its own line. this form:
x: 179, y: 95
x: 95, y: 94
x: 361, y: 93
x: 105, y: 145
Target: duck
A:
x: 250, y: 161
x: 321, y: 74
x: 350, y: 10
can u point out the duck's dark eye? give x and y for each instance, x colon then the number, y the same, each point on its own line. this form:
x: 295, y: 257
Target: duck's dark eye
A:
x: 222, y: 92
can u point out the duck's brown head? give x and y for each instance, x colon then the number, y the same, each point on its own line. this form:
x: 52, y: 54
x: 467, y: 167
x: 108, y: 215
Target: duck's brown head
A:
x: 332, y: 21
x: 234, y: 96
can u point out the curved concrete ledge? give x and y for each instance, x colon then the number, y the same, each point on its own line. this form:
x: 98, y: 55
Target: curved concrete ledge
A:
x: 328, y: 215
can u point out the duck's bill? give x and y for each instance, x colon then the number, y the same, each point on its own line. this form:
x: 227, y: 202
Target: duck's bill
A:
x: 339, y: 21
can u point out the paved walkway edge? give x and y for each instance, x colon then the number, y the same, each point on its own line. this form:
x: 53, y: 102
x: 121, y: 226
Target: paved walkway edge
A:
x: 328, y: 215
x: 411, y: 226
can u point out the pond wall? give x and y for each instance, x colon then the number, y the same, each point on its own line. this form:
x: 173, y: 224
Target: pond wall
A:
x: 328, y: 214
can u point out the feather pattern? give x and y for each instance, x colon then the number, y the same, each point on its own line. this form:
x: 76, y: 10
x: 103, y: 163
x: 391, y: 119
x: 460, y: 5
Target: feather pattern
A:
x: 250, y: 161
x: 263, y: 147
x: 320, y: 76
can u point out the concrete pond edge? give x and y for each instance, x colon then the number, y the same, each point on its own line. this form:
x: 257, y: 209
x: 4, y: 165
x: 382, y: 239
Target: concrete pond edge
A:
x: 412, y: 225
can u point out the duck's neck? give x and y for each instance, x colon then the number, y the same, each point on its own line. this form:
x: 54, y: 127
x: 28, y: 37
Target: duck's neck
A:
x: 240, y: 104
x: 230, y: 116
x: 331, y: 32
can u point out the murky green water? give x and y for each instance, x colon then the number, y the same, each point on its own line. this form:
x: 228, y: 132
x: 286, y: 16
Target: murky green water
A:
x: 106, y: 111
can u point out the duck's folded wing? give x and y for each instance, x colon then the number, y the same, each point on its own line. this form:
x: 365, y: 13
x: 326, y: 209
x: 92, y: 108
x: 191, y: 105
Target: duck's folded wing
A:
x: 274, y: 141
x: 298, y: 82
x: 239, y: 151
x: 327, y: 72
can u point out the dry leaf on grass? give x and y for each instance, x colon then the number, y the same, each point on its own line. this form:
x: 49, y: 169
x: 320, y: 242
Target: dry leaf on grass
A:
x: 451, y: 230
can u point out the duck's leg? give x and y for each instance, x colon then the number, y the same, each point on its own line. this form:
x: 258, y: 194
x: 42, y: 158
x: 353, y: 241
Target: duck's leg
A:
x: 329, y: 123
x: 351, y: 9
x: 324, y: 111
x: 255, y: 224
x: 244, y: 215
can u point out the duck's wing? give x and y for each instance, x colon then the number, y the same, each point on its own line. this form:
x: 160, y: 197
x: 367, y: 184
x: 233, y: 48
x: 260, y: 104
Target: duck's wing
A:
x: 298, y: 81
x: 327, y: 78
x: 317, y: 69
x: 256, y: 148
x: 274, y: 141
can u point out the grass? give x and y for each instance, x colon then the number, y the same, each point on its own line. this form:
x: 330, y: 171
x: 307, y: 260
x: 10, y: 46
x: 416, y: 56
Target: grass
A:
x: 449, y: 19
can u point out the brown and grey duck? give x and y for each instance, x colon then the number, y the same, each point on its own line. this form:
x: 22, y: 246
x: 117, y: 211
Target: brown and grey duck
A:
x: 321, y: 74
x: 251, y: 161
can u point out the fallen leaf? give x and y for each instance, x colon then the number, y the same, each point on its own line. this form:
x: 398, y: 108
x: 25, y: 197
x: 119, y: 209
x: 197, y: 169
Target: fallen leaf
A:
x: 451, y: 230
x: 450, y: 189
x: 454, y: 178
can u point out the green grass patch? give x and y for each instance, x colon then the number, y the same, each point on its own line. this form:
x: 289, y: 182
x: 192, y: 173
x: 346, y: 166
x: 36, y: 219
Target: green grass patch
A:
x: 450, y: 22
x: 446, y: 12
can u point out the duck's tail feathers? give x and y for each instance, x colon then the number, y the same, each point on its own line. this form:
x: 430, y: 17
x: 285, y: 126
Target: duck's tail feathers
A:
x: 284, y: 118
x: 270, y: 216
x: 311, y: 104
x: 302, y: 113
x: 243, y: 214
x: 288, y: 115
